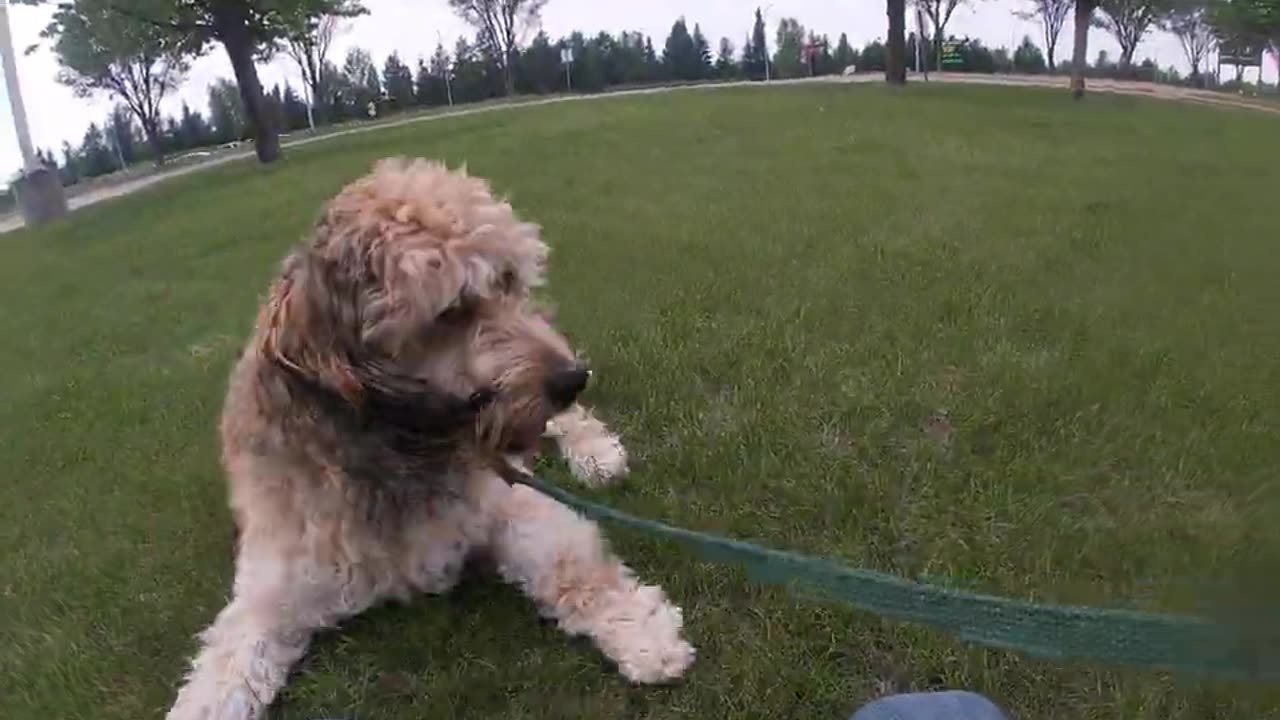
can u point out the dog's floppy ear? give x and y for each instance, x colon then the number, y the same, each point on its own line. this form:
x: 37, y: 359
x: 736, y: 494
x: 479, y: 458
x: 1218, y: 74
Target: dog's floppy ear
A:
x: 304, y: 328
x: 310, y: 326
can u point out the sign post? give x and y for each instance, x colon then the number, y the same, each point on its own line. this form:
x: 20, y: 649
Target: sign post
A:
x: 950, y: 54
x: 566, y: 59
x: 921, y: 38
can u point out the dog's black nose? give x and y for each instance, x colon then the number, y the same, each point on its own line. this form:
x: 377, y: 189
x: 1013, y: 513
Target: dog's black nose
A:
x: 564, y: 386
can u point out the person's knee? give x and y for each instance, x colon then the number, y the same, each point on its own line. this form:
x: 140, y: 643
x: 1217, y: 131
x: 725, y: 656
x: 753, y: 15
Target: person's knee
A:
x: 948, y: 705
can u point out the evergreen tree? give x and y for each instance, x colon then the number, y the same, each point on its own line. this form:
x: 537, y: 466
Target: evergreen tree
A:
x: 95, y: 157
x: 295, y: 110
x: 789, y: 60
x: 653, y: 66
x: 225, y: 112
x: 872, y: 57
x: 273, y: 108
x: 70, y: 164
x: 726, y: 66
x: 757, y: 51
x: 1028, y: 58
x: 630, y: 58
x: 193, y: 131
x: 360, y: 83
x: 422, y: 84
x: 680, y: 57
x: 398, y: 81
x: 120, y: 130
x: 702, y: 53
x: 845, y: 55
x: 538, y: 70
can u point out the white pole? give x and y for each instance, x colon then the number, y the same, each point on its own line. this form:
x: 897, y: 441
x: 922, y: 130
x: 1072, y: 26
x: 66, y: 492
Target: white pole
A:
x: 448, y: 84
x: 29, y: 162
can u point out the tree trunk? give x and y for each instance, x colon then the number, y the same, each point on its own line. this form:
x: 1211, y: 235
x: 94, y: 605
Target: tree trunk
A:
x: 895, y: 60
x: 234, y: 33
x: 509, y: 75
x: 1080, y: 49
x: 319, y: 110
x: 152, y: 130
x: 1052, y: 46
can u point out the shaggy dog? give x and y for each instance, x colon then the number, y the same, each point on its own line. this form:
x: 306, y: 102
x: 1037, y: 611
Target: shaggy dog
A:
x: 397, y: 366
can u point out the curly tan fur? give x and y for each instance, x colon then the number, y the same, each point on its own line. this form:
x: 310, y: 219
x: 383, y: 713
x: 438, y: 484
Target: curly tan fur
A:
x: 396, y: 362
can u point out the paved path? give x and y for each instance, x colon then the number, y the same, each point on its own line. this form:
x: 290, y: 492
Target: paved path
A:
x: 1165, y: 92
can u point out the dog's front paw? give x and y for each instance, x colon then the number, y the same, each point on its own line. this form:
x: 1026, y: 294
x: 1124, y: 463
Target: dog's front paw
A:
x: 595, y: 456
x: 596, y: 460
x: 649, y: 648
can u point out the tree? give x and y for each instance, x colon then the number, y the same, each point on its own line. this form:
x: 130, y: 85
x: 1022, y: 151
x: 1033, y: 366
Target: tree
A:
x: 725, y: 67
x: 895, y: 51
x: 755, y: 52
x: 630, y: 58
x: 99, y: 50
x: 473, y: 72
x: 1080, y: 45
x: 653, y: 68
x: 441, y: 71
x: 680, y: 57
x: 788, y: 60
x: 120, y: 131
x: 845, y: 54
x: 226, y: 114
x: 939, y: 14
x: 1052, y: 15
x: 193, y: 131
x: 701, y: 52
x: 248, y: 30
x: 1028, y: 58
x: 1249, y: 24
x: 397, y: 79
x: 501, y: 25
x: 539, y: 69
x: 1188, y: 20
x: 873, y: 57
x: 95, y: 158
x: 70, y: 164
x: 295, y: 110
x: 1128, y: 21
x: 308, y: 44
x: 360, y: 81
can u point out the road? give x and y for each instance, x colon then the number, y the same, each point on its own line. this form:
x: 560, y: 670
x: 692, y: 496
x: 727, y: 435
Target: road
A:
x: 110, y: 190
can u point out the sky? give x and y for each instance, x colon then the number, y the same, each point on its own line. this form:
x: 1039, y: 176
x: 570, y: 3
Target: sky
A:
x: 413, y: 27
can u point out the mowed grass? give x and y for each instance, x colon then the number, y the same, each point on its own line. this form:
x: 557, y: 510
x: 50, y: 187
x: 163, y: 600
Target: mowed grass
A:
x: 977, y: 336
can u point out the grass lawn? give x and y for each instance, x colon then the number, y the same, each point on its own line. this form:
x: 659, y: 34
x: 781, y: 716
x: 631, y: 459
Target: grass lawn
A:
x: 982, y: 336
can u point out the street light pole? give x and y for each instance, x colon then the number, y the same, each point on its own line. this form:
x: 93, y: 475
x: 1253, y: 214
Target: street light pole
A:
x: 448, y: 84
x: 18, y: 110
x: 38, y: 188
x: 765, y: 17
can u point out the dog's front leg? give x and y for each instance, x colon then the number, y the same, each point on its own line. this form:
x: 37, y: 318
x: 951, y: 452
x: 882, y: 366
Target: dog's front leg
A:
x: 595, y: 454
x: 560, y: 560
x: 243, y: 662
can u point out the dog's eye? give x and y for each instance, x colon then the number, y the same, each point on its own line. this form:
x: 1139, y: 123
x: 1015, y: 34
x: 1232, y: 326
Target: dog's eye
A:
x: 455, y: 313
x: 507, y: 282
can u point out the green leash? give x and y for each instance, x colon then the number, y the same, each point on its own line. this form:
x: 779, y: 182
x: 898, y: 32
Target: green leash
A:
x: 1180, y: 643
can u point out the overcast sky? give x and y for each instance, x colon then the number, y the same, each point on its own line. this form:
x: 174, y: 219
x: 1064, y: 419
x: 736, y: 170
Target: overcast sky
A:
x: 412, y: 27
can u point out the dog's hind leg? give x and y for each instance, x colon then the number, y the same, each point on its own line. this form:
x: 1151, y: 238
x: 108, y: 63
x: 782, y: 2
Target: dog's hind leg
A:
x: 560, y: 560
x: 594, y: 453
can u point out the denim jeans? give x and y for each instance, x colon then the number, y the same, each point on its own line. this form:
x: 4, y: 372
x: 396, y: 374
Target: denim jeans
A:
x: 948, y: 705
